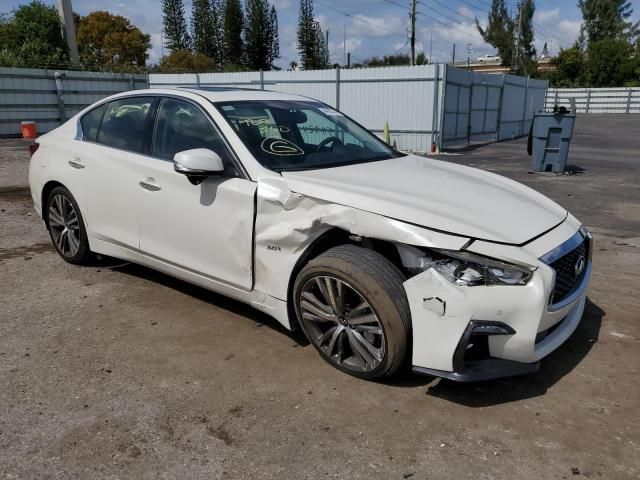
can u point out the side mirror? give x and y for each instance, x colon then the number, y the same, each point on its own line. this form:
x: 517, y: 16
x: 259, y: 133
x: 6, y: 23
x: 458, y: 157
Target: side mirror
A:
x: 198, y: 164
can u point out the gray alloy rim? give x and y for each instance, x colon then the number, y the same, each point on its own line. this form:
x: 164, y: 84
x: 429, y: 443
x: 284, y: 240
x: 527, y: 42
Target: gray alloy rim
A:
x: 64, y: 225
x: 342, y: 324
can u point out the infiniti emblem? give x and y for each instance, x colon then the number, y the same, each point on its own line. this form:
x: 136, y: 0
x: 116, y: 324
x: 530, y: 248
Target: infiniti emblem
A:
x: 578, y: 268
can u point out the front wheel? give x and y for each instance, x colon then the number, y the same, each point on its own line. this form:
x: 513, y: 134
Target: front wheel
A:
x: 66, y: 227
x: 352, y: 307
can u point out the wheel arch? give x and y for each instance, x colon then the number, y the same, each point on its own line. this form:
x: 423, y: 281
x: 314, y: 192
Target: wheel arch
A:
x: 46, y: 190
x: 333, y: 238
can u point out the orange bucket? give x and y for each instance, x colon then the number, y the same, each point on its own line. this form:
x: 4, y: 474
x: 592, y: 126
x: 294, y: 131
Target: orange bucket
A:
x: 29, y: 130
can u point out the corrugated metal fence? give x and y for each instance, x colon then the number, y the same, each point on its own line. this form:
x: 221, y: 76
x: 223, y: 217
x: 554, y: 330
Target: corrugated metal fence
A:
x: 51, y: 96
x: 423, y: 105
x: 596, y: 100
x: 481, y: 107
x: 408, y: 98
x: 472, y: 107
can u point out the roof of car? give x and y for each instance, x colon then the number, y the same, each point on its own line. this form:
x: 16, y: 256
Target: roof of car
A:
x: 228, y: 94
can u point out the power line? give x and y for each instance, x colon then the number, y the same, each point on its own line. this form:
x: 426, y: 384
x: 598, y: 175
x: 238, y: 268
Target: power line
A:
x: 354, y: 17
x: 545, y: 33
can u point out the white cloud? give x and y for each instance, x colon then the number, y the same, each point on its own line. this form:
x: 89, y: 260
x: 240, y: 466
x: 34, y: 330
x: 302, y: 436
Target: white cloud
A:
x: 568, y: 29
x: 282, y: 4
x: 377, y: 26
x: 545, y: 16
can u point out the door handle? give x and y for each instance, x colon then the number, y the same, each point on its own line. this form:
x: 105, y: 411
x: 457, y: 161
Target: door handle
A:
x: 76, y: 164
x: 152, y: 187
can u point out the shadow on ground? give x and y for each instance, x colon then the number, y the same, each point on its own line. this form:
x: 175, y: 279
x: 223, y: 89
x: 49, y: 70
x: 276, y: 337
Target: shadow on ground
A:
x: 234, y: 306
x: 480, y: 394
x: 552, y: 369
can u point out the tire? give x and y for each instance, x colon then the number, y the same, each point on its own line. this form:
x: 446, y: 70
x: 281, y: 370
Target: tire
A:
x: 329, y: 294
x: 66, y: 227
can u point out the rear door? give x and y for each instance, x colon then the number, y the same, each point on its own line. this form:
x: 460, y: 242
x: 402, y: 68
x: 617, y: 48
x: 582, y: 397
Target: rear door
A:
x: 206, y: 229
x: 116, y: 162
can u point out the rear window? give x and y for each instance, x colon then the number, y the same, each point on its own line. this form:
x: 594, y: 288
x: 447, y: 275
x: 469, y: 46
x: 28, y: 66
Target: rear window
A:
x: 124, y: 122
x: 90, y: 123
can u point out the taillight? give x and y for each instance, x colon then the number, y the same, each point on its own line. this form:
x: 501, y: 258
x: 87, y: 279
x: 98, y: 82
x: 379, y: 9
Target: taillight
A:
x: 33, y: 148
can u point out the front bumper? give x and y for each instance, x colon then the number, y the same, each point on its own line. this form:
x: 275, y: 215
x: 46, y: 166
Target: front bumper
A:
x: 447, y: 339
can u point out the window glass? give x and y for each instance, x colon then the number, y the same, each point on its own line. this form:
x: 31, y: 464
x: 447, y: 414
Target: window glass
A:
x: 90, y: 123
x: 182, y: 126
x: 299, y: 135
x: 124, y: 123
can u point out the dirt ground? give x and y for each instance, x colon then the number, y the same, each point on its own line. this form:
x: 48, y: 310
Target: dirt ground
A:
x: 115, y: 371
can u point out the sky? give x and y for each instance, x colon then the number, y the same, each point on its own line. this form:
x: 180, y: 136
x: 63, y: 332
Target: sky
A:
x: 373, y: 27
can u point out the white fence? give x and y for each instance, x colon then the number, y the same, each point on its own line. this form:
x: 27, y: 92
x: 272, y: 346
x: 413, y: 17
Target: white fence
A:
x: 482, y: 107
x: 596, y: 100
x: 471, y: 107
x: 49, y: 97
x: 408, y: 98
x: 423, y: 105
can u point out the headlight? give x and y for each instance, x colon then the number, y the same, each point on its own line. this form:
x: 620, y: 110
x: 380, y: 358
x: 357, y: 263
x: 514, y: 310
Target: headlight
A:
x: 464, y: 268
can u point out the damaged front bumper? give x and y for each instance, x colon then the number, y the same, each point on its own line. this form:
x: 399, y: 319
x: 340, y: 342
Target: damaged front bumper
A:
x: 487, y: 332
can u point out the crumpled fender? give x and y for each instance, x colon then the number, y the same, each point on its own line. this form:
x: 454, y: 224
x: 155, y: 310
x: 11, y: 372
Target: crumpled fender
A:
x: 287, y: 223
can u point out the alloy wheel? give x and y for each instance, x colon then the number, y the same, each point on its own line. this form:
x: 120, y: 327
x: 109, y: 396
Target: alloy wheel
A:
x: 64, y: 226
x: 342, y: 324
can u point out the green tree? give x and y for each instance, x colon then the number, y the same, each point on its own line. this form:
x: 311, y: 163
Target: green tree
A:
x: 257, y: 39
x: 111, y: 41
x: 569, y: 67
x: 607, y: 19
x: 174, y: 25
x: 205, y: 29
x: 524, y: 62
x: 233, y: 27
x: 610, y: 63
x: 274, y: 36
x: 31, y: 36
x: 185, y: 61
x: 312, y: 47
x: 499, y: 31
x: 421, y: 59
x: 545, y: 50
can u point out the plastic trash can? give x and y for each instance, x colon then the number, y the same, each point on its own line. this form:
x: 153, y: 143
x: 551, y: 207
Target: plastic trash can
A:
x: 549, y: 140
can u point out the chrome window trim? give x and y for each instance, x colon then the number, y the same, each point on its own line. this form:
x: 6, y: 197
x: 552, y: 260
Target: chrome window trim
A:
x: 234, y: 156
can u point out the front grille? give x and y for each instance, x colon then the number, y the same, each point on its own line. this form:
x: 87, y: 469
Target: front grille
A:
x: 566, y: 278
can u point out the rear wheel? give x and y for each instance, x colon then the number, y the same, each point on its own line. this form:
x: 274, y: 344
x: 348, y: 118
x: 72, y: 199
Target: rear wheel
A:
x: 352, y: 307
x: 66, y: 226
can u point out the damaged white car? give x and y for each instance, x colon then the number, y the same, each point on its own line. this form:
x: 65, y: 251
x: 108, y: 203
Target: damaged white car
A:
x: 284, y: 203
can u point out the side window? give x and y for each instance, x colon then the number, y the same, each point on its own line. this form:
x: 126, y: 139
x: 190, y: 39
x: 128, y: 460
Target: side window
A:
x: 124, y: 122
x: 182, y: 126
x: 90, y: 123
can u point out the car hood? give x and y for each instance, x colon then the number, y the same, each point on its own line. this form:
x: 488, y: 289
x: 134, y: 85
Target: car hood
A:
x: 434, y: 194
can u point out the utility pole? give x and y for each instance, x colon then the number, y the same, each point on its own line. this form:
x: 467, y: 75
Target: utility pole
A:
x: 453, y: 56
x: 413, y: 31
x: 517, y: 55
x: 68, y: 28
x: 344, y: 42
x: 430, y: 44
x: 469, y: 52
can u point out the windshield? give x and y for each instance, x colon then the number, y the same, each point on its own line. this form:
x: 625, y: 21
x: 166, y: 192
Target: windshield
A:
x: 300, y: 135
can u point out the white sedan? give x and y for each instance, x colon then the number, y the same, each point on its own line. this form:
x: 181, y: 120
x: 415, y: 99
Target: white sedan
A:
x: 288, y: 205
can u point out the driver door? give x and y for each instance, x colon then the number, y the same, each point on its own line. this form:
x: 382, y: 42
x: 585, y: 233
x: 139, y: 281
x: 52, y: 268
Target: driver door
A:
x: 206, y: 229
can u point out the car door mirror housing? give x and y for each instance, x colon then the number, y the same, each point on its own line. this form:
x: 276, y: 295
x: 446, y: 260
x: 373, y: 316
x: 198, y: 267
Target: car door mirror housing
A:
x: 198, y: 164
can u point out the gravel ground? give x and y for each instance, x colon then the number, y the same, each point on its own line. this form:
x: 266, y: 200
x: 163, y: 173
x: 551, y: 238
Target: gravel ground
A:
x: 116, y: 371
